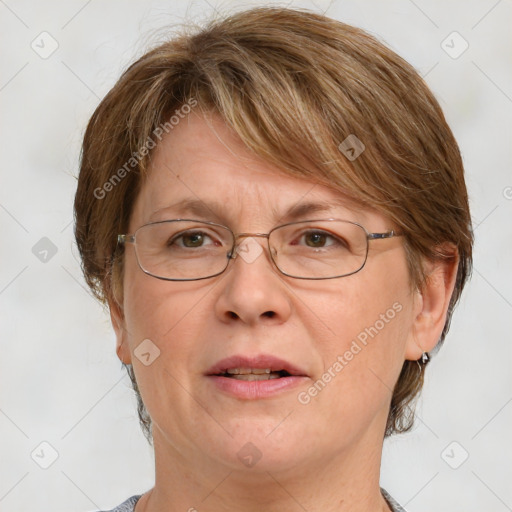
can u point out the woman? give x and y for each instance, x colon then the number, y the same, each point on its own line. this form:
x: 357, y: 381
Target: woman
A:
x: 274, y: 209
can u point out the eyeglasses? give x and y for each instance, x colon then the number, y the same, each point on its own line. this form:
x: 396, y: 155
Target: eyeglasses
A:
x: 188, y: 249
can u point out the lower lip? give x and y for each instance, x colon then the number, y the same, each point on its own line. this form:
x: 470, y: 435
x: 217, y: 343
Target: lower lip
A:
x: 256, y: 389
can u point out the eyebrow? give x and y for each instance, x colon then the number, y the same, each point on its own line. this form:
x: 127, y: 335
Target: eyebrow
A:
x: 212, y: 210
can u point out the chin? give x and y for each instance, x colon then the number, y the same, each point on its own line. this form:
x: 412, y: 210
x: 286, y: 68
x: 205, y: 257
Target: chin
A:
x: 259, y: 445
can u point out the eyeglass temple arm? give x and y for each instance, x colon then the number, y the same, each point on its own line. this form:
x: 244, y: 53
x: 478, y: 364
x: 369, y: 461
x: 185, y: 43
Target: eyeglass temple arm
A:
x: 387, y: 234
x: 125, y: 239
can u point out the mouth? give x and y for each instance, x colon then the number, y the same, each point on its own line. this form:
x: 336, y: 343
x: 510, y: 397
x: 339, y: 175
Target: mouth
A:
x: 251, y: 374
x: 255, y: 377
x: 258, y: 367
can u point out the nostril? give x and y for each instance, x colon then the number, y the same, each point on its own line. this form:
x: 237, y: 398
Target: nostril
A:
x: 270, y: 314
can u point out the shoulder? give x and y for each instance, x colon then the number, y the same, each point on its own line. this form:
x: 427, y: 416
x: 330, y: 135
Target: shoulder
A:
x: 394, y: 505
x: 126, y: 506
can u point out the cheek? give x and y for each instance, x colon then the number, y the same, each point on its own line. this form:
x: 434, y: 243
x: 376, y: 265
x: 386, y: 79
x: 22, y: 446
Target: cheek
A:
x: 153, y: 307
x: 172, y: 317
x: 362, y: 329
x: 360, y: 338
x: 361, y: 306
x: 164, y: 311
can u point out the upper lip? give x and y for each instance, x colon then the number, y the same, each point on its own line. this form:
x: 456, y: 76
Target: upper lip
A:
x: 261, y: 361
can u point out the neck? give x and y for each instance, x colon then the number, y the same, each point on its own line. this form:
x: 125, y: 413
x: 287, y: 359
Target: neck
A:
x: 346, y: 481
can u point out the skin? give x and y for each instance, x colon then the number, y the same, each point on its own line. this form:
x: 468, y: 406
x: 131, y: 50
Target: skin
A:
x: 324, y: 455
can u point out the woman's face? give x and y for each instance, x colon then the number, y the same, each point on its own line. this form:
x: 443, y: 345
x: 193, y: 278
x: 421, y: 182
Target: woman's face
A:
x: 348, y: 335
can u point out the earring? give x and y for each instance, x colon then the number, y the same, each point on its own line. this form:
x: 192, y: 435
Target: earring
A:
x: 425, y: 358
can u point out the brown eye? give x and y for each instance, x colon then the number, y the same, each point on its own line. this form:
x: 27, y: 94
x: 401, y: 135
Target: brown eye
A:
x: 193, y: 240
x: 320, y: 239
x: 190, y: 239
x: 315, y: 239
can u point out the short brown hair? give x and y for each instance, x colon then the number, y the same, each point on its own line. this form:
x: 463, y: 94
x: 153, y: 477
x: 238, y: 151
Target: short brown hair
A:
x: 293, y: 85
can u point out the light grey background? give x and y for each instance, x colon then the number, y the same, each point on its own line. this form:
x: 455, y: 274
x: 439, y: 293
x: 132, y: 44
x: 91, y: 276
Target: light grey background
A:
x: 60, y: 381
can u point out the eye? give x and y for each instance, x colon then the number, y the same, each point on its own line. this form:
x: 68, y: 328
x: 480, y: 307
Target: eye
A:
x: 318, y: 239
x: 191, y: 239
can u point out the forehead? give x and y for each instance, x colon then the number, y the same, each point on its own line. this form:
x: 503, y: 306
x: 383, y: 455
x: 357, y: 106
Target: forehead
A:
x: 201, y: 169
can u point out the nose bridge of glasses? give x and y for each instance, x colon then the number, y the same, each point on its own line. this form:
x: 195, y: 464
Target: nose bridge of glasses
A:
x: 246, y: 235
x: 237, y: 243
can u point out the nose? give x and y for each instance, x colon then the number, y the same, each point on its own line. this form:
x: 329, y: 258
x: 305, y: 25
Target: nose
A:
x: 252, y: 290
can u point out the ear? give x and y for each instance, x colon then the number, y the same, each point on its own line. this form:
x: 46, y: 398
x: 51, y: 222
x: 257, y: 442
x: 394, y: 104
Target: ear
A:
x: 431, y: 303
x: 118, y: 323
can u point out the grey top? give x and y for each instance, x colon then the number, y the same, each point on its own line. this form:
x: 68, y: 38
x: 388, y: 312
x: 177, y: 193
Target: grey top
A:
x: 129, y: 504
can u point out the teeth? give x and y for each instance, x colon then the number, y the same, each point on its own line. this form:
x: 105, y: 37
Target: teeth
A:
x: 248, y: 371
x: 253, y: 376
